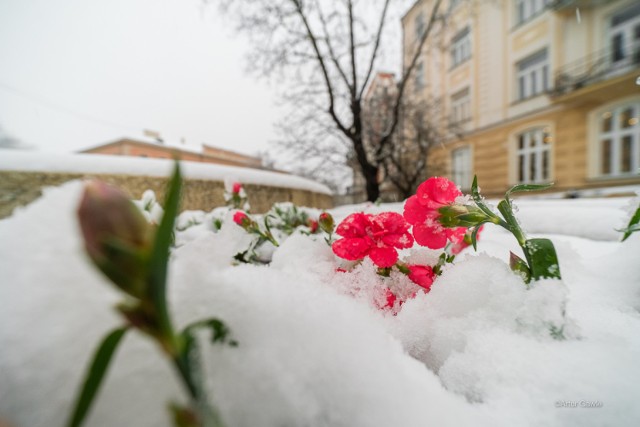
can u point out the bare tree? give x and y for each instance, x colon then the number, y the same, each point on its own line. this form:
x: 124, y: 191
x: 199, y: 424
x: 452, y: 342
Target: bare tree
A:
x: 327, y: 51
x: 424, y: 126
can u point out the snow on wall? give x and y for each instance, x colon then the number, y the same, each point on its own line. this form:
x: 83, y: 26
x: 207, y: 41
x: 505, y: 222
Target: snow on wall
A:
x: 34, y: 161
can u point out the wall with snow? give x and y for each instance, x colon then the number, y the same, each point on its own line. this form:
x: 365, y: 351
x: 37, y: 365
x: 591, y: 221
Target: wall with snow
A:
x: 23, y: 175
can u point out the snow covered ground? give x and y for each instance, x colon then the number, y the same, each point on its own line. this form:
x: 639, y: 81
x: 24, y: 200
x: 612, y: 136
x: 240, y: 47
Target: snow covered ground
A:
x: 476, y: 350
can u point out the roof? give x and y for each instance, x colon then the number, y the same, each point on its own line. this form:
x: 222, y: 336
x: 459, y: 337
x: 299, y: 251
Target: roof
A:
x: 172, y: 147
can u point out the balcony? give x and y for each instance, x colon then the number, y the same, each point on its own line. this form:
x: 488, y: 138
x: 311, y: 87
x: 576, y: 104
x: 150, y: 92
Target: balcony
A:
x: 601, y: 65
x: 571, y: 5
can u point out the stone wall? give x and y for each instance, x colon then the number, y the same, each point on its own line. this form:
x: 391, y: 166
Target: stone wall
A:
x: 20, y: 188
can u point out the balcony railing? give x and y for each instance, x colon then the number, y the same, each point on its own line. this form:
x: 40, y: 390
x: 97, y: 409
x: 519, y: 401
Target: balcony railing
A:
x: 562, y: 5
x: 597, y: 66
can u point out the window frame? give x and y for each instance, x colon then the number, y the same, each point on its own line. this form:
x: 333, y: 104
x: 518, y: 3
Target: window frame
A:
x: 529, y: 159
x: 627, y: 50
x: 461, y: 106
x: 616, y: 135
x: 419, y: 80
x: 462, y: 178
x: 419, y: 25
x: 532, y: 75
x: 460, y: 49
x: 526, y: 10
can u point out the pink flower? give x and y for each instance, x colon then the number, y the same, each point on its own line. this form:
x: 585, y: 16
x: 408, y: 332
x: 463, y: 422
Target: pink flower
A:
x: 240, y: 218
x: 236, y: 188
x: 421, y: 211
x: 377, y: 236
x: 422, y: 275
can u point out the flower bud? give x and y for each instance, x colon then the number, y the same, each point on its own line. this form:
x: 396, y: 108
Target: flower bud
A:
x: 116, y: 235
x: 313, y: 225
x: 461, y: 216
x: 326, y: 222
x: 243, y: 220
x: 236, y: 188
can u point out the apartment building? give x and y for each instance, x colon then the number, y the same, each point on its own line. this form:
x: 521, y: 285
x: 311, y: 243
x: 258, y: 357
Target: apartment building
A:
x: 544, y: 91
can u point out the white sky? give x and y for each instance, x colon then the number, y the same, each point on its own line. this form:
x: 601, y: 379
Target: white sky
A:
x: 79, y: 73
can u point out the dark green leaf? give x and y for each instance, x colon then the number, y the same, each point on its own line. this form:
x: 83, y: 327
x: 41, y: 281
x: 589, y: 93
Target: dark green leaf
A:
x: 160, y: 253
x: 384, y: 271
x: 475, y: 194
x: 95, y: 375
x: 219, y: 330
x: 557, y: 333
x: 403, y: 268
x: 526, y: 187
x: 633, y: 226
x: 518, y: 265
x: 542, y: 257
x: 474, y: 237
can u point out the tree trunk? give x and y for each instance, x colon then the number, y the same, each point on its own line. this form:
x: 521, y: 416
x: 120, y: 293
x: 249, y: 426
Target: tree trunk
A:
x: 369, y: 171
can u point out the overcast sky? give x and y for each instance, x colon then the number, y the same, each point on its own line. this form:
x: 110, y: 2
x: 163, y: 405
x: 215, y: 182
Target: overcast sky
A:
x: 79, y: 73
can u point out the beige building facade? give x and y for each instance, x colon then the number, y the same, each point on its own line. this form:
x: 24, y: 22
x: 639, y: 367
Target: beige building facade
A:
x: 544, y: 91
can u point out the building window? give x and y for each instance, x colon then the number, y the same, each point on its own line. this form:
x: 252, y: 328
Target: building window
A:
x: 619, y: 140
x: 461, y: 167
x: 624, y: 36
x: 419, y: 76
x: 419, y: 25
x: 533, y: 156
x: 461, y: 106
x: 527, y: 9
x: 460, y: 47
x: 533, y: 75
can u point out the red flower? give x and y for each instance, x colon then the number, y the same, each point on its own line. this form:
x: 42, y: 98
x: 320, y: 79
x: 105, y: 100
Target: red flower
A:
x: 236, y: 187
x: 390, y: 299
x: 240, y: 218
x: 313, y: 225
x: 377, y: 236
x: 421, y: 211
x: 465, y: 242
x: 422, y: 275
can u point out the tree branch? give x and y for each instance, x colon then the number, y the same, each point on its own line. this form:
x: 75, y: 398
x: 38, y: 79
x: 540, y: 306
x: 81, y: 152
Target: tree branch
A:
x: 405, y: 77
x: 313, y: 40
x: 376, y: 46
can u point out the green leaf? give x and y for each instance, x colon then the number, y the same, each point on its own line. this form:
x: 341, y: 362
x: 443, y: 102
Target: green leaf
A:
x: 526, y: 187
x: 542, y: 257
x: 474, y: 236
x: 158, y: 263
x: 518, y: 265
x: 95, y: 375
x: 634, y: 225
x: 475, y: 194
x: 190, y: 365
x: 219, y: 330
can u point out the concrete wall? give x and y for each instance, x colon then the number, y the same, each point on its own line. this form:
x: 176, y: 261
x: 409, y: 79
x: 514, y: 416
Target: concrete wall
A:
x: 20, y: 188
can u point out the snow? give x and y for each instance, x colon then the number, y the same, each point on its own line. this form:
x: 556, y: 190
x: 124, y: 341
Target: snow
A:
x: 314, y: 349
x: 10, y: 160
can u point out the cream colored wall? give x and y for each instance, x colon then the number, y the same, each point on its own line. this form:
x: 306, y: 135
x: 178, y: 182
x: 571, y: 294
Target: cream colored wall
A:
x: 489, y: 95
